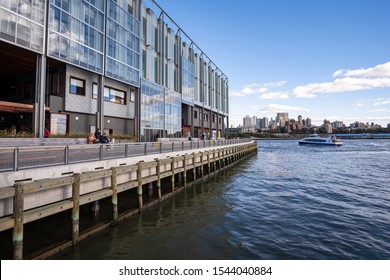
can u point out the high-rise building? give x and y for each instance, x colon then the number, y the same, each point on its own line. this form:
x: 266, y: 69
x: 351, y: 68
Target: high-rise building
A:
x: 300, y: 120
x: 308, y: 122
x: 282, y: 119
x: 262, y: 123
x: 123, y: 66
x: 248, y: 122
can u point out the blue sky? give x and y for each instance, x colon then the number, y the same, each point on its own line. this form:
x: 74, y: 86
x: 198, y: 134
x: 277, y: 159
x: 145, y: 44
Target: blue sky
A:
x: 323, y: 59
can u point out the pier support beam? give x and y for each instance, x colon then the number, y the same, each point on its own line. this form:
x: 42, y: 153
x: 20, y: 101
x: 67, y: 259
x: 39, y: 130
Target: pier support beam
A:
x: 76, y: 208
x: 158, y: 171
x: 17, y: 234
x: 185, y: 169
x: 150, y: 189
x: 114, y: 198
x: 173, y: 174
x: 94, y: 208
x: 139, y: 188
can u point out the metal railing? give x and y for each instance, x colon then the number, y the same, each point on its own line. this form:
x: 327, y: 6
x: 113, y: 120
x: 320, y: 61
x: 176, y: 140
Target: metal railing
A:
x: 19, y: 158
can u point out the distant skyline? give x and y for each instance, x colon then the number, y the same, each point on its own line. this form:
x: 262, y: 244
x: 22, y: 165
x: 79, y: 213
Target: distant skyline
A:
x: 323, y: 59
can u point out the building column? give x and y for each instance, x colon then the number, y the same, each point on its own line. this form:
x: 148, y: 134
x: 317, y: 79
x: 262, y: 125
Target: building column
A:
x: 227, y: 125
x: 39, y: 104
x: 100, y: 104
x: 192, y: 121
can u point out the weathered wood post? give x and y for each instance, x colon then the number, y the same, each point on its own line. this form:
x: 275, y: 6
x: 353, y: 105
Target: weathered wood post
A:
x: 194, y: 165
x: 201, y: 164
x: 76, y: 208
x: 173, y: 174
x: 114, y: 198
x: 139, y: 188
x: 208, y: 162
x: 214, y: 161
x: 17, y: 234
x: 158, y: 171
x: 185, y: 169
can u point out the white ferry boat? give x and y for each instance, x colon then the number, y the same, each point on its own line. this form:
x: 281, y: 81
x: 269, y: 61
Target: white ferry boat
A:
x: 317, y: 140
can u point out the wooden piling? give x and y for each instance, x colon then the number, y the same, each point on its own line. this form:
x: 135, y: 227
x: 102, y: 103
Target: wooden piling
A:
x: 76, y: 208
x: 139, y: 188
x: 173, y: 174
x: 185, y: 169
x: 114, y: 198
x: 194, y: 165
x: 158, y: 171
x: 17, y: 234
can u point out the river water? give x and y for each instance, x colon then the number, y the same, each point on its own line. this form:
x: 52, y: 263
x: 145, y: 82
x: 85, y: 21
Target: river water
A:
x: 286, y: 202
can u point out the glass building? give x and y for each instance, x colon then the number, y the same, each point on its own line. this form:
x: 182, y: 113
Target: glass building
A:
x: 123, y: 66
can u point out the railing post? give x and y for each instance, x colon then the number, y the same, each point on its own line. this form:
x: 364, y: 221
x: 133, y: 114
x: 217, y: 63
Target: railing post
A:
x: 126, y: 150
x: 17, y: 233
x: 101, y: 152
x: 145, y: 149
x: 160, y: 147
x: 66, y: 155
x: 16, y: 158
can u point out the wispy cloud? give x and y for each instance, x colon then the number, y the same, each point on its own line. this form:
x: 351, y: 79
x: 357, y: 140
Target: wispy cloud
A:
x: 275, y: 95
x: 340, y: 85
x: 381, y: 70
x: 380, y: 110
x: 256, y: 88
x: 376, y: 102
x: 282, y: 108
x: 348, y: 80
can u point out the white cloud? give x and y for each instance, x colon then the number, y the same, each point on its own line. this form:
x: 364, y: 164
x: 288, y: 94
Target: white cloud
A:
x: 380, y: 70
x: 282, y: 108
x: 275, y: 95
x: 256, y: 88
x: 340, y: 85
x: 275, y: 84
x: 380, y: 110
x: 348, y: 80
x: 376, y: 102
x: 383, y: 101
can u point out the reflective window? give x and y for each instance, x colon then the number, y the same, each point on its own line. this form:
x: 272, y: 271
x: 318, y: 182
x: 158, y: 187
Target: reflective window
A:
x: 114, y: 95
x: 78, y: 26
x: 77, y: 86
x: 110, y: 94
x: 188, y: 81
x: 22, y: 23
x: 123, y: 43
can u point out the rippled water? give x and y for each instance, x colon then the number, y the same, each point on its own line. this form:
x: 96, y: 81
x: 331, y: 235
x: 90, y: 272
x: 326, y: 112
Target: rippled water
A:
x: 286, y: 202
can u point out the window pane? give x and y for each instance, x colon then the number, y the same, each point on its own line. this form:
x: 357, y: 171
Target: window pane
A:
x: 77, y: 86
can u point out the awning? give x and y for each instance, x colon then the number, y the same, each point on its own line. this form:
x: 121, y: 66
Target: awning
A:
x: 13, y: 107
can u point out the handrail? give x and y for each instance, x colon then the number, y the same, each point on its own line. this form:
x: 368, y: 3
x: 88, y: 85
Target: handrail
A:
x: 19, y: 158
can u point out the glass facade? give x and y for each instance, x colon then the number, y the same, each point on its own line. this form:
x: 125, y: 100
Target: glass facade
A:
x: 160, y: 111
x: 188, y: 81
x: 76, y: 32
x: 172, y: 113
x: 22, y: 23
x: 123, y: 43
